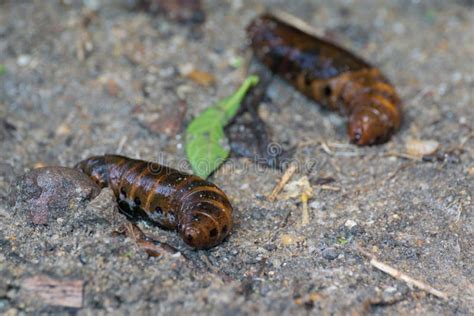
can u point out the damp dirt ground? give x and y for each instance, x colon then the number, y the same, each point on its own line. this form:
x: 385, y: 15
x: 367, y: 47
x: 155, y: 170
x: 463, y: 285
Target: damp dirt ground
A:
x: 90, y: 77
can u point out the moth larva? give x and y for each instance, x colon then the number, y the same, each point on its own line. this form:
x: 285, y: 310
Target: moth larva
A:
x: 196, y: 208
x: 331, y: 75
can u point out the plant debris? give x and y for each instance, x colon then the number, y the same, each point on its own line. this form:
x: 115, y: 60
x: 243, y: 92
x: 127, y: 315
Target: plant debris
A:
x: 178, y: 10
x: 248, y: 132
x: 283, y: 181
x: 201, y: 77
x: 402, y: 276
x: 169, y: 121
x: 419, y: 148
x: 68, y: 293
x: 206, y: 145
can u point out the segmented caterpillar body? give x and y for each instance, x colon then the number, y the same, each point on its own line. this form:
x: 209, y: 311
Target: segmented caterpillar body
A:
x: 331, y: 75
x: 196, y: 208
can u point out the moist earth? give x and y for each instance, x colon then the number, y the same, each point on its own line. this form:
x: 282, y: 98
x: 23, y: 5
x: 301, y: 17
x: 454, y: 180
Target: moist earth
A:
x: 81, y: 78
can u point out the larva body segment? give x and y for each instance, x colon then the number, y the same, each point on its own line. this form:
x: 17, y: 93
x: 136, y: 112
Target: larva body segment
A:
x: 331, y: 75
x: 196, y: 208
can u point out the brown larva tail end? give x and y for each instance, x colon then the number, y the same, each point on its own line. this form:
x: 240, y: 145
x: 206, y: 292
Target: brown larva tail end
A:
x: 95, y: 167
x: 365, y: 128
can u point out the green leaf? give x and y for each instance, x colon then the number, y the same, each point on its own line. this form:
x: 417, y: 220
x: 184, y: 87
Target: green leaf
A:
x: 205, y: 143
x: 3, y: 69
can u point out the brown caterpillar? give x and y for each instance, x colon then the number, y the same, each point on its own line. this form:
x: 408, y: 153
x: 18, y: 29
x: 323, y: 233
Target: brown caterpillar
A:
x: 196, y: 208
x: 331, y: 75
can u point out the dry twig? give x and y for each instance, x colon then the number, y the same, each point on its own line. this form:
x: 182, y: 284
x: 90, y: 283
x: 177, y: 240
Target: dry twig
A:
x: 402, y: 167
x: 330, y: 187
x: 402, y: 155
x: 397, y: 274
x: 281, y: 184
x: 305, y: 216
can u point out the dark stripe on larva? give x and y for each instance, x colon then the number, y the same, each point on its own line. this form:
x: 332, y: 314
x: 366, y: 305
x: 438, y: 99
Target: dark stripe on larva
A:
x: 190, y: 190
x: 152, y: 192
x: 196, y: 208
x: 139, y: 181
x: 214, y: 208
x: 203, y: 193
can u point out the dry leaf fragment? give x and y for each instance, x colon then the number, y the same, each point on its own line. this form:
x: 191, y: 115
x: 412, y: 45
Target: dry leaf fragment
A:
x: 296, y: 188
x: 419, y: 148
x: 201, y: 77
x: 39, y: 164
x: 290, y: 239
x: 170, y: 120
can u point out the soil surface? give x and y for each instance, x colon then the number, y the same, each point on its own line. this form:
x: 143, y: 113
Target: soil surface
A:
x: 91, y: 77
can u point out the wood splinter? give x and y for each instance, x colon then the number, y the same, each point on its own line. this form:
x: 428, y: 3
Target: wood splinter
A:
x: 67, y: 293
x: 397, y: 274
x: 283, y: 181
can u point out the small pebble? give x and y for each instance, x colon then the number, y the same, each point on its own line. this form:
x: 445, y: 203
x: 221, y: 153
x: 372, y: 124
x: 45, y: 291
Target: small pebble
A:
x: 317, y: 205
x: 391, y: 294
x: 23, y: 60
x: 270, y: 247
x: 244, y: 186
x: 185, y: 69
x: 330, y: 253
x: 350, y: 223
x: 113, y: 88
x: 92, y: 4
